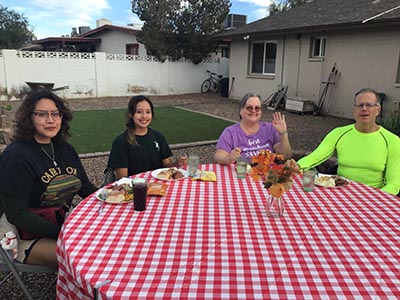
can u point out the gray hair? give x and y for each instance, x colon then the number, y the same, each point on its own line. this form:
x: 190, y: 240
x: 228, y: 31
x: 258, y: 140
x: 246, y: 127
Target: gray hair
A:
x: 244, y: 99
x: 367, y: 91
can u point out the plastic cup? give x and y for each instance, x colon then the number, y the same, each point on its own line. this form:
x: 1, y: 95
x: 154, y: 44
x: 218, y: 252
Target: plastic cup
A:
x: 309, y: 179
x: 193, y: 164
x: 139, y: 194
x: 241, y: 167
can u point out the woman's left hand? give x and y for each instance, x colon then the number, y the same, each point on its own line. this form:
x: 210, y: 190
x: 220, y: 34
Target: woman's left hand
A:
x: 279, y: 123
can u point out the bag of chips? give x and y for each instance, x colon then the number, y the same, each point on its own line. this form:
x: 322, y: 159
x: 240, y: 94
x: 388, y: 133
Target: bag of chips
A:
x: 157, y: 189
x: 205, y: 176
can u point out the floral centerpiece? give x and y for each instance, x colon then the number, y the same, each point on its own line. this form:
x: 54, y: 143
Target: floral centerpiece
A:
x: 277, y: 176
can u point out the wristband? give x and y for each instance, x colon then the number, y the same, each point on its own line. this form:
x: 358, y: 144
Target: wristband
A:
x: 283, y: 132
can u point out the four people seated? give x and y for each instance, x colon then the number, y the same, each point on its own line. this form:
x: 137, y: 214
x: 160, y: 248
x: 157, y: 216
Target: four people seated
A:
x: 51, y: 172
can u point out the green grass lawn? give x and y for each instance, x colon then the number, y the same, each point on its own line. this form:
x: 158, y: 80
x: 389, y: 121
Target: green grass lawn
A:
x: 94, y: 131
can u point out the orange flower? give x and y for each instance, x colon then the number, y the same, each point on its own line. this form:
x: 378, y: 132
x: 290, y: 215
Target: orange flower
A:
x: 275, y: 172
x: 277, y: 190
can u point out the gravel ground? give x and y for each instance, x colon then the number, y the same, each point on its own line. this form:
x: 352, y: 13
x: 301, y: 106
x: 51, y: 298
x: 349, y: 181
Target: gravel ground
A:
x: 305, y: 133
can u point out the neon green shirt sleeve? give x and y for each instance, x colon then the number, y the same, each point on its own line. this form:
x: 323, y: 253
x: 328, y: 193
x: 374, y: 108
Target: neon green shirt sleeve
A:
x: 370, y: 158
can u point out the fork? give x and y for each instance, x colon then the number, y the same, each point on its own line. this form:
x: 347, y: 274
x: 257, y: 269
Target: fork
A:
x: 103, y: 197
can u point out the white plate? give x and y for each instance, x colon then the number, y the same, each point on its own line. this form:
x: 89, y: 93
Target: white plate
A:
x: 121, y: 181
x: 319, y: 175
x: 156, y: 172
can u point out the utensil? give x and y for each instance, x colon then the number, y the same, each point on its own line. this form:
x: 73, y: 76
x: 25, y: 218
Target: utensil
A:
x: 103, y: 196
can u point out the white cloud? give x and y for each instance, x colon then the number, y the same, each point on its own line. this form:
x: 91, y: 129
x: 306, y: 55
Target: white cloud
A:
x: 262, y: 3
x: 58, y: 14
x: 260, y: 13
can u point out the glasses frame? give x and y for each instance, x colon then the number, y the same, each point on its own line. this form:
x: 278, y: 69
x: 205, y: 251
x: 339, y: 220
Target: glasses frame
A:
x: 367, y: 105
x: 252, y: 108
x: 44, y: 115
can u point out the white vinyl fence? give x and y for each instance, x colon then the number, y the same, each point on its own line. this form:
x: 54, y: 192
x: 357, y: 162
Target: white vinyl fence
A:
x: 99, y: 74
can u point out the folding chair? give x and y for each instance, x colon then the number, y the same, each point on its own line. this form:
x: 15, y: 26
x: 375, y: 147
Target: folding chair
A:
x: 7, y: 264
x: 109, y: 177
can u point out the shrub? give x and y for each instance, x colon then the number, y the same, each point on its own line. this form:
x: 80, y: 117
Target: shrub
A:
x: 393, y: 123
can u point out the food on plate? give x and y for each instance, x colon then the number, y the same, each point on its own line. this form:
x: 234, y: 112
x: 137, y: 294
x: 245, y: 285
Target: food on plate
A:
x: 331, y: 181
x: 326, y: 181
x: 157, y: 189
x: 119, y: 193
x: 170, y: 174
x: 340, y: 181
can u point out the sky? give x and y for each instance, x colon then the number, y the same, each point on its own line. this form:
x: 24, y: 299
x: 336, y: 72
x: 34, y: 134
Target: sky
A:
x: 50, y: 18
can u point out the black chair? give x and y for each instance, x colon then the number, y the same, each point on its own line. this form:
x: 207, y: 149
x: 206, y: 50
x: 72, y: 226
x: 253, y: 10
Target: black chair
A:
x: 382, y: 97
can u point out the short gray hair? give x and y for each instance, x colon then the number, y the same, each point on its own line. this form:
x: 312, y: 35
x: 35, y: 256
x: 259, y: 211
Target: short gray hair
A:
x: 244, y: 99
x: 368, y: 91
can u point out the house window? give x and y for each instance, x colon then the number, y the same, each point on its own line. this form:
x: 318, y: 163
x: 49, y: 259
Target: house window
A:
x: 132, y: 49
x: 225, y: 52
x: 317, y: 47
x: 263, y: 57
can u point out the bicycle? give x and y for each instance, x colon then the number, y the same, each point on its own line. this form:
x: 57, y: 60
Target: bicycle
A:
x: 213, y: 81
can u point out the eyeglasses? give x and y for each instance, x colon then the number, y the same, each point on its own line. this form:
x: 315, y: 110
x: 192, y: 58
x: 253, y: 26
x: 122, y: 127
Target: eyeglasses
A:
x: 251, y: 108
x: 367, y: 105
x: 43, y: 115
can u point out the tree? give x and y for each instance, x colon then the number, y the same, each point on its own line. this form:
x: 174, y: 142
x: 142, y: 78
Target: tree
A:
x: 282, y: 5
x: 176, y: 29
x: 14, y: 30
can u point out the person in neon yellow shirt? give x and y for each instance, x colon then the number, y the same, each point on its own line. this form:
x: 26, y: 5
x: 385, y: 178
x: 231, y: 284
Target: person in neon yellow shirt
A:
x: 367, y: 152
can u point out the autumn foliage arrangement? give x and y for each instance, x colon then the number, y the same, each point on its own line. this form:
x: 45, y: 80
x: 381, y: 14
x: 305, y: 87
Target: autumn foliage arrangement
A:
x: 275, y: 172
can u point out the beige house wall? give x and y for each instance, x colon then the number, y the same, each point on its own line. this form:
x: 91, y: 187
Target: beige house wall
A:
x: 115, y: 42
x: 364, y: 58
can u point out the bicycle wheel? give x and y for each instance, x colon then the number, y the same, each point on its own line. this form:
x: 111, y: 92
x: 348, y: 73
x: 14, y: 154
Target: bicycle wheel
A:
x: 205, y: 86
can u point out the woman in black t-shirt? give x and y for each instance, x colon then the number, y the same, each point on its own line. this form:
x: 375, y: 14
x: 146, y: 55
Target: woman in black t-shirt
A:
x: 39, y: 170
x: 140, y: 148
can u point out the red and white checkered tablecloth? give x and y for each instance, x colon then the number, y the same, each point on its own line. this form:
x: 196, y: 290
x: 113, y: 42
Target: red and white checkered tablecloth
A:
x: 213, y: 240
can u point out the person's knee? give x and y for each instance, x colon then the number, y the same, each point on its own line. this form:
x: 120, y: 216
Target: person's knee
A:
x: 43, y: 252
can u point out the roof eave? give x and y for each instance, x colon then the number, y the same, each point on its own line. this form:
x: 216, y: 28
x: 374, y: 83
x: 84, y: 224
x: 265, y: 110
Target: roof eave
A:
x: 305, y: 29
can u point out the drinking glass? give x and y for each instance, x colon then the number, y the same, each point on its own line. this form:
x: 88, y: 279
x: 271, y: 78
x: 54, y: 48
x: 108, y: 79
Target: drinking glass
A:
x: 241, y: 167
x: 139, y: 194
x: 193, y: 164
x: 309, y: 179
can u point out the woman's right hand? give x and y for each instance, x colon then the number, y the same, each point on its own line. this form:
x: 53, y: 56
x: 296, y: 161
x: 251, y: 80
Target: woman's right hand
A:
x: 235, y: 154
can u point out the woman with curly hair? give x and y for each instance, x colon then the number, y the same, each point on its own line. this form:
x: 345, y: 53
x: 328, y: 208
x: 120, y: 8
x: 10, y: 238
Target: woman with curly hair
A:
x: 40, y: 175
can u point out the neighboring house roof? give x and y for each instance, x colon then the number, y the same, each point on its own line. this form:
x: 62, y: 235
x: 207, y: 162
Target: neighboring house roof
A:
x: 65, y: 43
x: 108, y: 27
x: 70, y: 40
x: 322, y: 15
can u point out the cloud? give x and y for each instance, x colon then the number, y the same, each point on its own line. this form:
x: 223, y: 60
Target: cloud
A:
x: 261, y: 3
x: 72, y: 12
x: 260, y: 13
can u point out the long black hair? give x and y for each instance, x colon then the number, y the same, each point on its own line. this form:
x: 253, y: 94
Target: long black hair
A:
x: 131, y: 111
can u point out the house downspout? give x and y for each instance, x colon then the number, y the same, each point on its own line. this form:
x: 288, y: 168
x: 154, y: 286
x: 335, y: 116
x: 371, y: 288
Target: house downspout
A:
x: 298, y: 65
x: 283, y: 57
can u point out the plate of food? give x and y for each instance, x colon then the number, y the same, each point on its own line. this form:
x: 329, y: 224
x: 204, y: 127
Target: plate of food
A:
x: 119, y: 193
x: 169, y: 174
x: 331, y: 181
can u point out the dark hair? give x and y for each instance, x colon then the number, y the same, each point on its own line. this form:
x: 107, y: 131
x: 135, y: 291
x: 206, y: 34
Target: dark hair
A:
x: 131, y: 111
x: 24, y: 129
x: 367, y: 91
x: 244, y: 99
